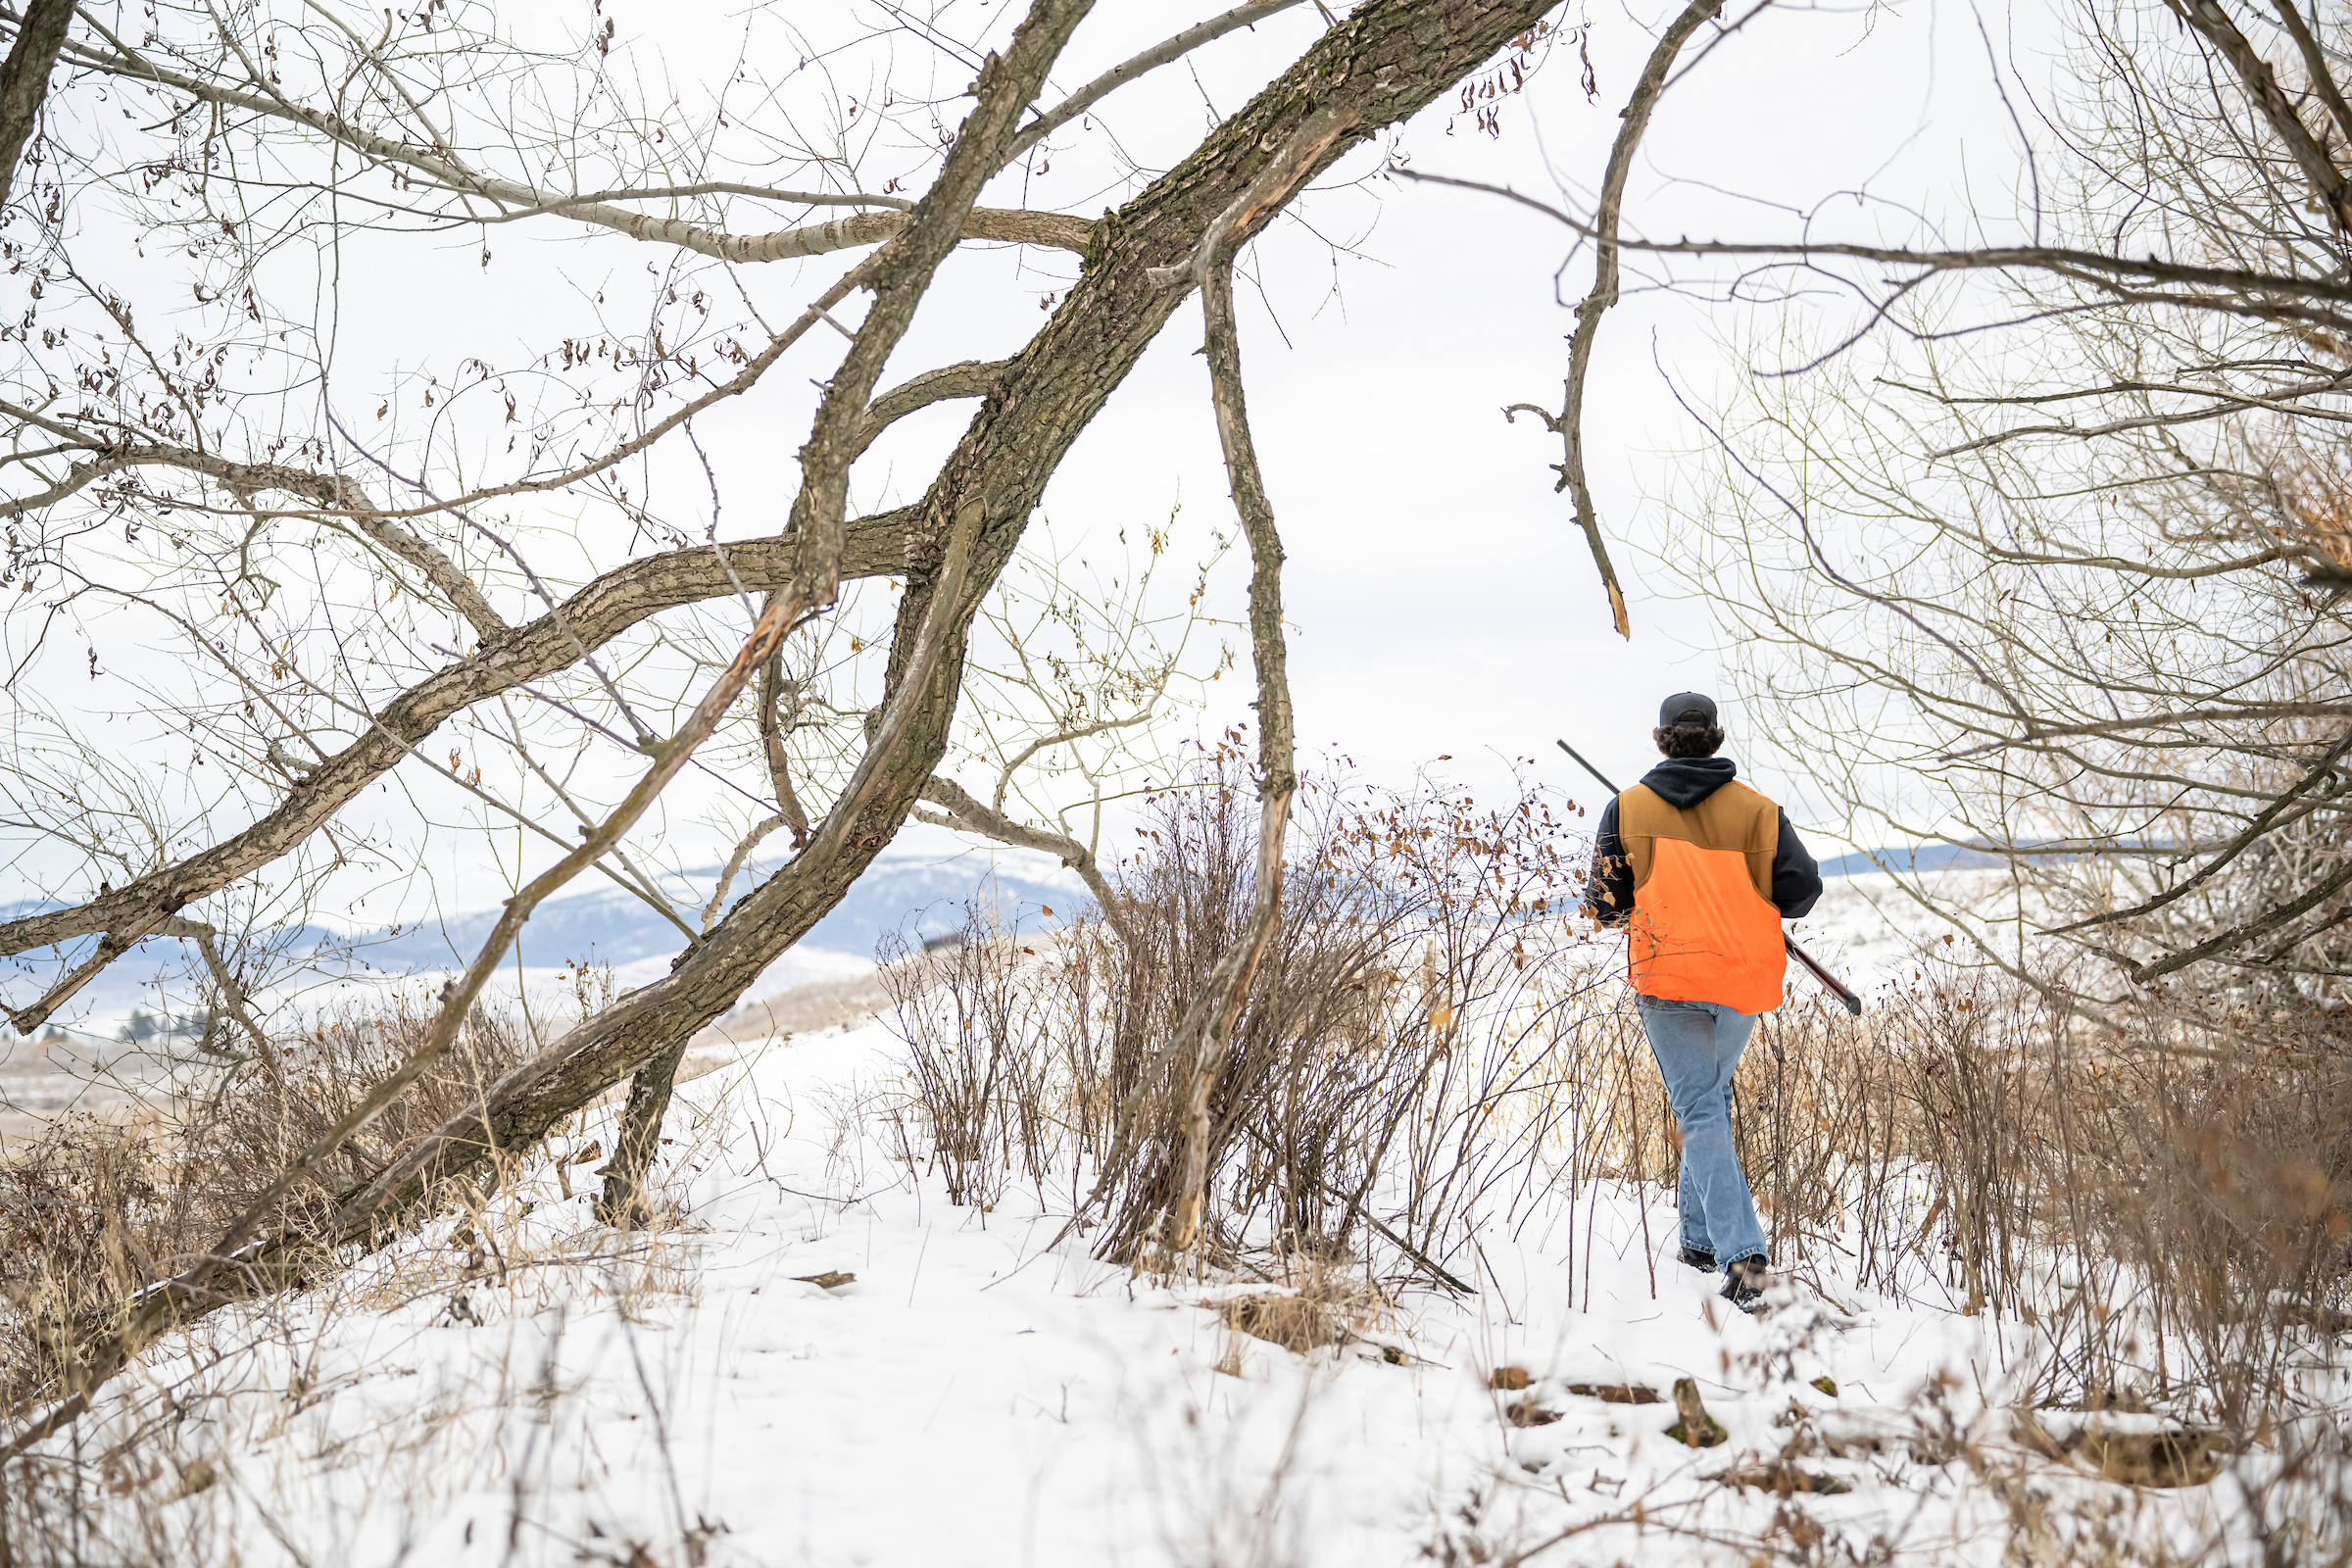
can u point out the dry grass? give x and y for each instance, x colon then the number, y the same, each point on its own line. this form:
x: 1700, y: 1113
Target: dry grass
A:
x: 99, y: 1207
x: 2165, y: 1207
x: 160, y: 1474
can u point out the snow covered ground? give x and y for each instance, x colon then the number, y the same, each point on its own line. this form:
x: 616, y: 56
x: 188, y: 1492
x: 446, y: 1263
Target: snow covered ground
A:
x: 522, y: 1386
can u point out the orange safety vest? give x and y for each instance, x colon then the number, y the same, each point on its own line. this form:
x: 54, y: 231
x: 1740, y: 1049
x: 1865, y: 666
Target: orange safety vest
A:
x: 1704, y: 927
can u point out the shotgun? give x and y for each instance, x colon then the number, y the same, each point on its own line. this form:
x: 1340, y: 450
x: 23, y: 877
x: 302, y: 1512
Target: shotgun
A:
x: 1851, y: 1002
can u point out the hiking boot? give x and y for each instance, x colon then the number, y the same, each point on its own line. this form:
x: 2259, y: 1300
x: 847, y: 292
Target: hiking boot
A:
x: 1700, y: 1258
x: 1745, y: 1282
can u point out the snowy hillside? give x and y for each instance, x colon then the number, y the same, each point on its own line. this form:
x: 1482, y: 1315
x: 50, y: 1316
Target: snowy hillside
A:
x: 819, y: 1359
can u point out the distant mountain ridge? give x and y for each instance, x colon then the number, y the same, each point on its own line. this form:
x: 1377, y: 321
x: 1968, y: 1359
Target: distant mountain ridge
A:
x: 1920, y: 858
x: 922, y: 895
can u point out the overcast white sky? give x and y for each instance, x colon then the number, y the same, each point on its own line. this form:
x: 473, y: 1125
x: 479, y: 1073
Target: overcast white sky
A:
x: 1443, y: 603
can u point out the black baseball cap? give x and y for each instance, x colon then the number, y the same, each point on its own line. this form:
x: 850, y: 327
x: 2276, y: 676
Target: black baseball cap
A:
x: 1687, y: 707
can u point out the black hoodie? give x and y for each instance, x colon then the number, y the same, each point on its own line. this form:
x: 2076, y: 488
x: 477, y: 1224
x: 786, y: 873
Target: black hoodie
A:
x: 1682, y: 782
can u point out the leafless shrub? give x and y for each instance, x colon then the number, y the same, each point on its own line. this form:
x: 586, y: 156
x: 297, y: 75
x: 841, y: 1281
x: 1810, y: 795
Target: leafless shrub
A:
x: 2226, y: 1163
x: 974, y: 1016
x: 1399, y: 1026
x: 1404, y: 1042
x: 72, y: 1514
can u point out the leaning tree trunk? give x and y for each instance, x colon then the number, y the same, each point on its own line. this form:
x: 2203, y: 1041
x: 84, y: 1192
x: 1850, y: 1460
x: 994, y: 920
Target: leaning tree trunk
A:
x: 1376, y: 69
x: 24, y: 79
x: 623, y: 1204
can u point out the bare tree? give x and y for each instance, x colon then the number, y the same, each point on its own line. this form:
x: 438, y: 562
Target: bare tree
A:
x: 343, y: 599
x: 2041, y: 550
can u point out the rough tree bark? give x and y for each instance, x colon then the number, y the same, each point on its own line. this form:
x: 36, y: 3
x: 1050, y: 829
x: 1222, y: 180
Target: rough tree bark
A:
x: 623, y: 1203
x: 25, y: 79
x: 1378, y: 66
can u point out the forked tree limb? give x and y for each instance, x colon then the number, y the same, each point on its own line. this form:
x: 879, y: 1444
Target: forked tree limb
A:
x: 604, y: 609
x: 782, y: 612
x: 901, y: 273
x: 959, y: 811
x: 1389, y: 59
x: 1568, y: 425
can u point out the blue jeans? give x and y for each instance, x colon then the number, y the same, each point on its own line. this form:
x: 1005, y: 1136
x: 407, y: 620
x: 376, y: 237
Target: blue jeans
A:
x: 1697, y: 1045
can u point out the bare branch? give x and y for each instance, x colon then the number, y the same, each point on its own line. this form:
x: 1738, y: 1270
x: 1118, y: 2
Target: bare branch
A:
x: 2238, y: 291
x: 2261, y: 83
x: 966, y: 378
x: 1571, y: 423
x: 712, y: 187
x: 1159, y: 53
x: 772, y: 743
x: 598, y: 613
x: 2286, y: 400
x: 446, y: 171
x: 902, y: 273
x: 1219, y: 1007
x: 2263, y: 820
x: 2036, y: 734
x: 734, y: 867
x: 232, y: 995
x: 963, y: 813
x: 2239, y: 935
x: 2315, y: 65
